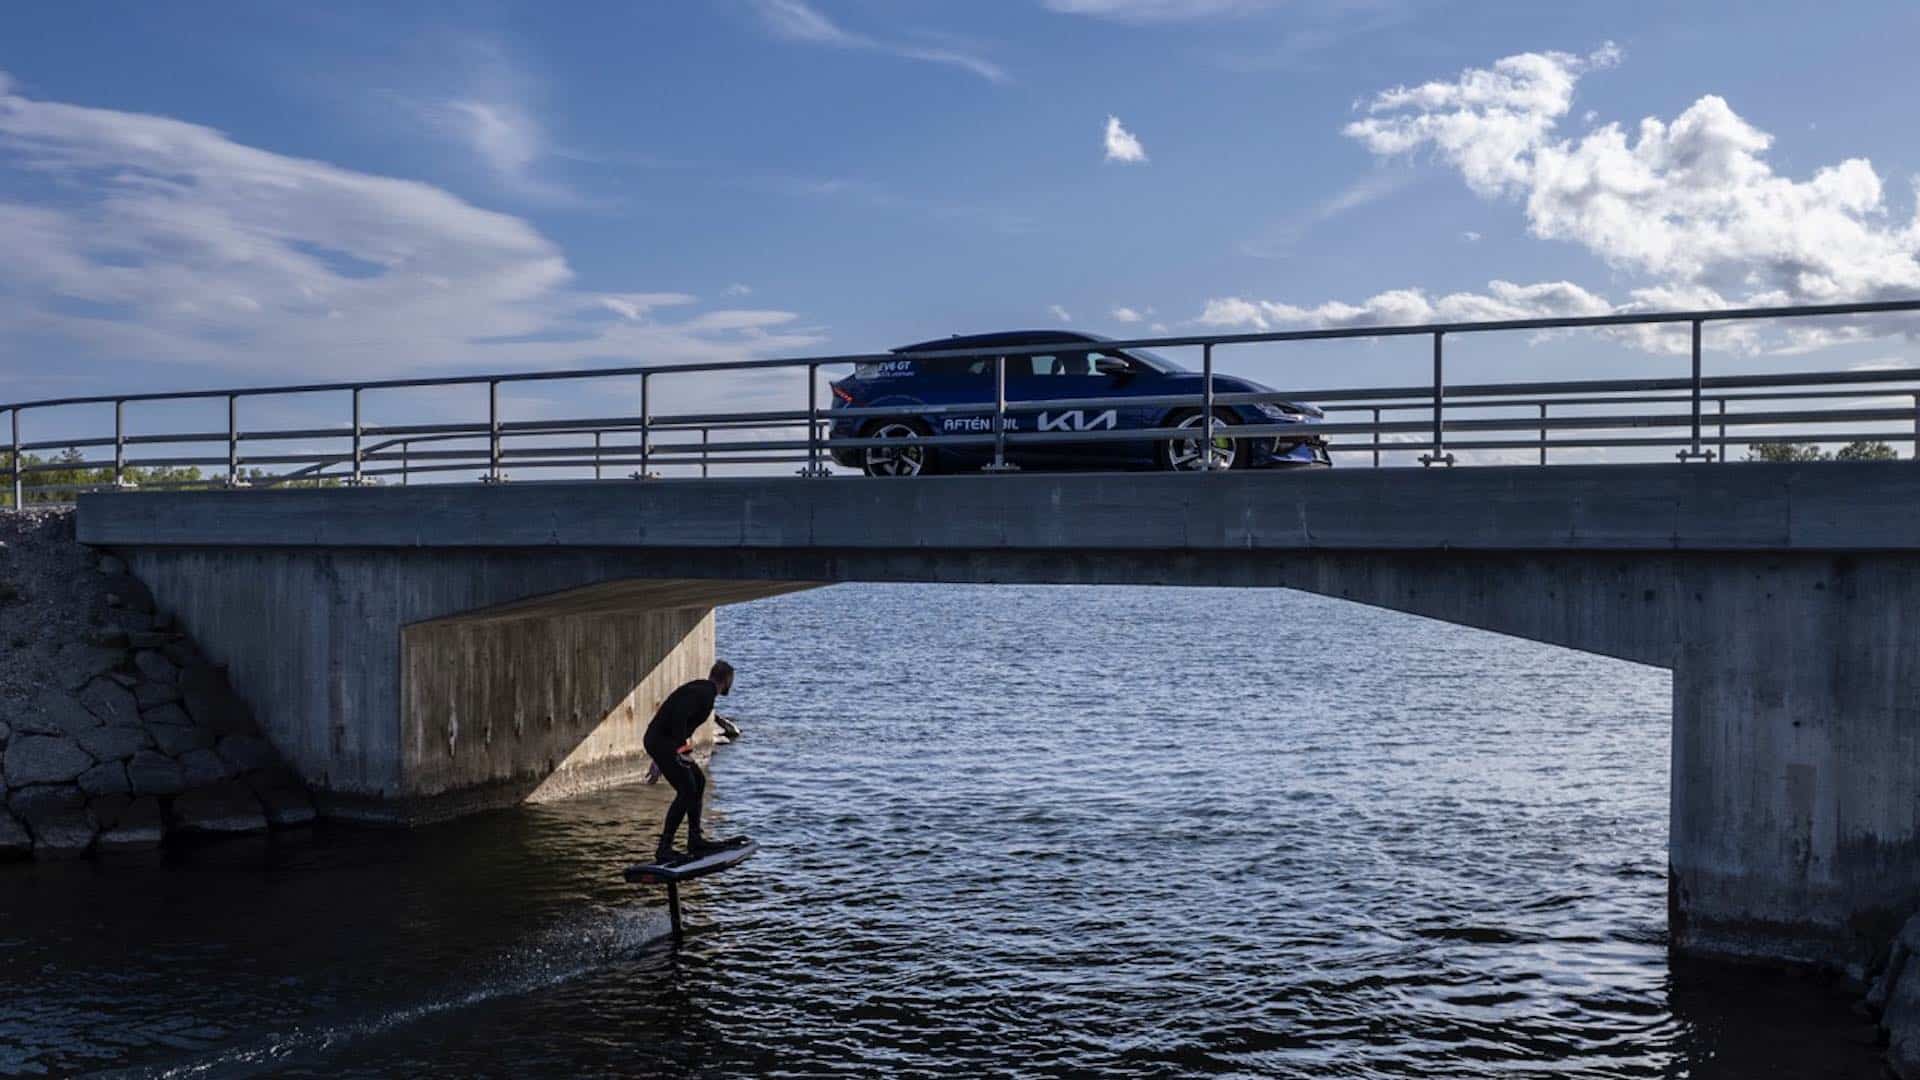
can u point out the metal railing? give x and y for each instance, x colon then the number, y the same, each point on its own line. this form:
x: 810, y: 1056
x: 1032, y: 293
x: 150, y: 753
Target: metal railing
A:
x: 1688, y: 414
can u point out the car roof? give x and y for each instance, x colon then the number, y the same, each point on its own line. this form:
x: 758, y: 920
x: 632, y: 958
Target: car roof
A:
x: 1003, y: 337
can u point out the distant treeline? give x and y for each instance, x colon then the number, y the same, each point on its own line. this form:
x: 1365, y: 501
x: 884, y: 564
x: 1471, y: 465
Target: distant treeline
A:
x: 71, y: 471
x: 1854, y: 451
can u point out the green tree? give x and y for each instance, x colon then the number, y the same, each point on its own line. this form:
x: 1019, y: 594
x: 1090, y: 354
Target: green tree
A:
x: 1781, y: 451
x: 1866, y: 451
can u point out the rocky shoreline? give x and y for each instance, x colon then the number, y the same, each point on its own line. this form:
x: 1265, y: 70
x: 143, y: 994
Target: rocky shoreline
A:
x: 116, y: 732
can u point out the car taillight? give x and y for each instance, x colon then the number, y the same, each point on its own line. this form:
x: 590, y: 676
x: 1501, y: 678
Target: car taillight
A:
x: 842, y: 394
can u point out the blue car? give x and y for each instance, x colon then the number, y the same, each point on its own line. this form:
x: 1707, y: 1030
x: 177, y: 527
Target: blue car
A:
x: 1083, y: 367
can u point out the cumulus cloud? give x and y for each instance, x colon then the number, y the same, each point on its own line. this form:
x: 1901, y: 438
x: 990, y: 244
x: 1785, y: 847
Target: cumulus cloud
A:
x: 796, y: 20
x: 1126, y: 315
x: 1689, y: 210
x: 1121, y: 143
x: 1059, y: 312
x: 1502, y: 300
x: 142, y: 237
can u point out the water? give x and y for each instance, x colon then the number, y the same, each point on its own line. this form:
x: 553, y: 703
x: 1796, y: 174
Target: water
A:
x: 1006, y: 831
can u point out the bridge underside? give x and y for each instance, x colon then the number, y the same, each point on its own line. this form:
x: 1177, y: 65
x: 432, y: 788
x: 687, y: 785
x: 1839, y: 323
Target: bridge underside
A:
x: 421, y: 653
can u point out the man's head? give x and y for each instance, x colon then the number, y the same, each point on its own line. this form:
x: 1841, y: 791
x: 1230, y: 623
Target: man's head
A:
x: 722, y: 676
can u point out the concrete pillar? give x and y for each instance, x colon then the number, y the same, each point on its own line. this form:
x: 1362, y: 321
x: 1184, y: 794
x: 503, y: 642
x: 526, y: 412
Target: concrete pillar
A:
x: 1796, y: 759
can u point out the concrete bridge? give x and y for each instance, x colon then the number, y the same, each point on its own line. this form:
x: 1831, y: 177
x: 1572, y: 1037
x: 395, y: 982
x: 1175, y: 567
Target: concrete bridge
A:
x: 421, y: 652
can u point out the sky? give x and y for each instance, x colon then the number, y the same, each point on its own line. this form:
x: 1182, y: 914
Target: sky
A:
x: 198, y: 194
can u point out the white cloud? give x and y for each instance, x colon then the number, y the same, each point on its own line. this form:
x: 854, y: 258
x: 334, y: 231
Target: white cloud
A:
x: 1121, y: 144
x: 1059, y: 312
x: 737, y: 289
x: 1126, y: 315
x: 1502, y: 300
x: 1470, y: 236
x: 1691, y: 203
x: 796, y: 20
x: 1158, y: 10
x: 1689, y: 212
x: 148, y: 238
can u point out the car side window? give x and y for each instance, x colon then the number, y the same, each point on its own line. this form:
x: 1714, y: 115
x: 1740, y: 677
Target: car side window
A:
x: 1043, y: 366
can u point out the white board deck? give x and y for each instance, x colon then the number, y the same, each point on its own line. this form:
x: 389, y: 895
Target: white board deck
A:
x: 656, y: 874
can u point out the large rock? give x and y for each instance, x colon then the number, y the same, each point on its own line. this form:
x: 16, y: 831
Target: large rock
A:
x: 204, y: 768
x: 136, y: 827
x: 213, y: 704
x: 166, y: 715
x: 285, y: 800
x: 113, y: 743
x: 78, y: 663
x: 107, y: 778
x: 44, y: 759
x: 154, y: 666
x: 55, y: 712
x: 150, y: 695
x: 131, y: 592
x: 15, y: 841
x: 246, y: 753
x: 224, y: 808
x: 183, y: 654
x: 57, y: 816
x: 110, y: 702
x: 153, y: 773
x: 178, y: 741
x: 1897, y: 995
x: 127, y: 619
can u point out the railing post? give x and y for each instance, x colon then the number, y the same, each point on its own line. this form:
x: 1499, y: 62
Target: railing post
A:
x: 1206, y: 407
x: 1723, y: 425
x: 233, y: 440
x: 596, y: 455
x: 406, y: 463
x: 703, y: 453
x: 1543, y: 433
x: 1376, y: 438
x: 814, y: 467
x: 1694, y: 452
x: 646, y: 422
x: 119, y: 443
x: 1916, y: 433
x: 358, y: 478
x: 19, y: 490
x: 999, y: 463
x: 493, y: 431
x: 1438, y: 455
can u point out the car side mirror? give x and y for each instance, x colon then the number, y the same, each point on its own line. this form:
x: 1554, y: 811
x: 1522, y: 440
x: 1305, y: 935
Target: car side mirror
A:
x: 1112, y: 365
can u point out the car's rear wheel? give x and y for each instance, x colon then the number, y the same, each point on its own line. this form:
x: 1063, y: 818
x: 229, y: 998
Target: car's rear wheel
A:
x: 894, y: 460
x: 1184, y: 455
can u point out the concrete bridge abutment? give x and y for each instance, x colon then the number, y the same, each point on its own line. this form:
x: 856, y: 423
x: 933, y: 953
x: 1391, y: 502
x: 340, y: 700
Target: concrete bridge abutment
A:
x: 407, y: 687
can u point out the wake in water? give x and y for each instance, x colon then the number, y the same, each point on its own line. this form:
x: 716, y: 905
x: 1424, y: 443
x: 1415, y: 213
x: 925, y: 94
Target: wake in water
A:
x: 560, y: 955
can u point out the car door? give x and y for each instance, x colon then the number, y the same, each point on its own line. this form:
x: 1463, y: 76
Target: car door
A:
x: 1063, y: 376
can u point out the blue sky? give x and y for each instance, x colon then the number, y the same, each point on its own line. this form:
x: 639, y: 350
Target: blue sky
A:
x: 202, y: 194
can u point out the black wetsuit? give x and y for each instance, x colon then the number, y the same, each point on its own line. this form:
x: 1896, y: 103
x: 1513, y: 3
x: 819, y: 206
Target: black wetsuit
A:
x: 684, y: 710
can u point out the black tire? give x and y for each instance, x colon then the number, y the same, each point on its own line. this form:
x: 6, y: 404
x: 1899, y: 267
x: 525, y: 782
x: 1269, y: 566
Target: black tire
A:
x: 874, y: 459
x: 1168, y: 453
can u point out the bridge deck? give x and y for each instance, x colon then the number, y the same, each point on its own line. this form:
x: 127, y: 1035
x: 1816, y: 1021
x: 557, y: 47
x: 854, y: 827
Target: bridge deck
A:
x: 1823, y: 506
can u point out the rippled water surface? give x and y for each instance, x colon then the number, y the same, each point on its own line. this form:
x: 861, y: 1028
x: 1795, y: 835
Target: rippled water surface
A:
x: 1035, y: 831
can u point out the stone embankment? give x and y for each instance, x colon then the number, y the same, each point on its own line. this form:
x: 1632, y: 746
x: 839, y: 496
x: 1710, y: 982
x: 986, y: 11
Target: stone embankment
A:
x: 116, y: 733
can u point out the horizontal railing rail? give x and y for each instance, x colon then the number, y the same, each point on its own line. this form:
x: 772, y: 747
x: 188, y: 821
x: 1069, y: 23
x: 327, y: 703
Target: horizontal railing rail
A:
x: 1702, y: 415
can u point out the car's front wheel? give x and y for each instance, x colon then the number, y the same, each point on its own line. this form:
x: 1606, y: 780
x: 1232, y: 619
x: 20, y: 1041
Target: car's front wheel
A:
x: 894, y: 460
x: 1184, y: 455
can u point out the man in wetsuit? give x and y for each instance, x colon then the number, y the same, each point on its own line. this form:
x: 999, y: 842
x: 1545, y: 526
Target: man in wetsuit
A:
x: 684, y: 710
